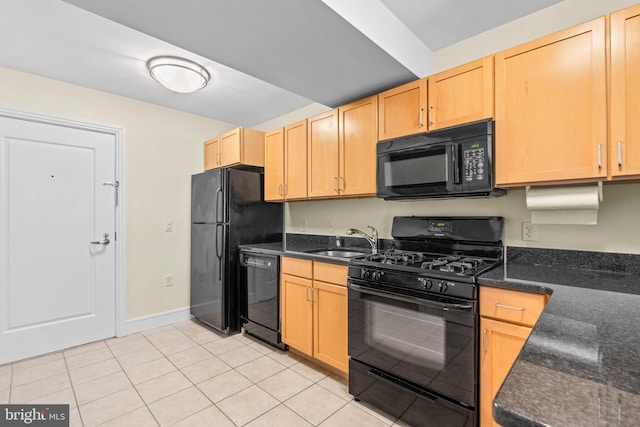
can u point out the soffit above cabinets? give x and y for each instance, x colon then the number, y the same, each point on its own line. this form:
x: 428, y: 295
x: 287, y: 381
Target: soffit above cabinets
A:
x: 267, y: 58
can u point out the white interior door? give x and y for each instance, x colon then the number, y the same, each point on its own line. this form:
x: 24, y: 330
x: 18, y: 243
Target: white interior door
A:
x: 57, y: 289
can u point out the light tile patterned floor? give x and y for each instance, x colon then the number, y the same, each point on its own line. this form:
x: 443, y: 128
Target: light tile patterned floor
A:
x: 186, y: 375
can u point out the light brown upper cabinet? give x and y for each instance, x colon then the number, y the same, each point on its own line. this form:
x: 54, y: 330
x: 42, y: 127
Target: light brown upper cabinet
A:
x: 402, y: 110
x: 342, y: 151
x: 322, y: 155
x: 274, y: 165
x: 460, y: 95
x: 551, y: 117
x: 238, y: 146
x: 358, y: 129
x: 625, y: 93
x: 211, y: 153
x: 286, y: 163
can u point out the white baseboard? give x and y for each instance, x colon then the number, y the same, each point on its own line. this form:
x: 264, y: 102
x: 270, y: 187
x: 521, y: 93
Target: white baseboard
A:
x: 156, y: 320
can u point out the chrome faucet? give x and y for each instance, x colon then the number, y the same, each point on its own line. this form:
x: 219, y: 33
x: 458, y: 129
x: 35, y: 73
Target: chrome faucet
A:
x: 373, y: 239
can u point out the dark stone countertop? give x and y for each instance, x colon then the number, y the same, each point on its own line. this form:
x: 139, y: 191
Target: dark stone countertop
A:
x: 581, y: 364
x: 296, y: 247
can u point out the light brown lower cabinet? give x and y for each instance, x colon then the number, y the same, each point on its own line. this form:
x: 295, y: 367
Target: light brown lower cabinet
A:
x: 314, y: 310
x: 506, y: 320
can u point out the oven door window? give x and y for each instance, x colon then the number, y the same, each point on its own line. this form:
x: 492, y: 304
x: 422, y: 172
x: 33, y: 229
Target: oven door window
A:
x: 413, y: 172
x: 422, y: 343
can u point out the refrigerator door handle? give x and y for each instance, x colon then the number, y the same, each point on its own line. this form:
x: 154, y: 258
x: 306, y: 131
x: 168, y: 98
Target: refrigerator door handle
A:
x: 219, y: 247
x: 219, y: 201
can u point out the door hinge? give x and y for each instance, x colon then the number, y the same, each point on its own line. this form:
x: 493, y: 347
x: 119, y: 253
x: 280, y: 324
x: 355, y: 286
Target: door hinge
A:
x: 116, y: 185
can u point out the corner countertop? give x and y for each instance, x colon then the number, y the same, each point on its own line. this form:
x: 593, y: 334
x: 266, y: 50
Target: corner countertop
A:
x: 581, y: 364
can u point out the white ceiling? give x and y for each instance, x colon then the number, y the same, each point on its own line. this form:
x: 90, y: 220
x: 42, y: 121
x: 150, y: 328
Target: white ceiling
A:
x: 267, y: 57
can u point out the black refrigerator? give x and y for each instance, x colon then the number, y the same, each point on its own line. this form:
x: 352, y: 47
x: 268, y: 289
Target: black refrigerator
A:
x: 227, y: 209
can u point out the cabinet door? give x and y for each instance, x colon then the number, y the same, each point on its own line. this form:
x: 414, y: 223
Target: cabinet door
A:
x: 330, y: 324
x: 322, y: 155
x: 625, y: 93
x: 274, y: 165
x: 297, y: 313
x: 551, y: 120
x: 295, y: 175
x: 358, y: 125
x: 211, y: 153
x: 402, y: 110
x: 500, y: 344
x: 462, y: 94
x: 230, y: 147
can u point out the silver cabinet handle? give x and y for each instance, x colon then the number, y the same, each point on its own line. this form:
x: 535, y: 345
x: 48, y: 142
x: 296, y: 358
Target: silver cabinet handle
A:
x: 620, y: 154
x: 430, y: 114
x: 104, y: 241
x: 421, y: 111
x: 599, y: 156
x: 340, y: 183
x: 306, y: 293
x: 313, y: 295
x: 619, y: 411
x: 336, y: 184
x: 484, y: 340
x: 509, y: 307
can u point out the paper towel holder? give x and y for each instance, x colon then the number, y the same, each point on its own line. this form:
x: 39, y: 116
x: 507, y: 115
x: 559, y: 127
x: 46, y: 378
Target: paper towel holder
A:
x: 600, y: 191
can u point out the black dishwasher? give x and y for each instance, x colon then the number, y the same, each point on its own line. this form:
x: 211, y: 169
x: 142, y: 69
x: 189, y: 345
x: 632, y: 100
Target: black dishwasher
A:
x: 260, y: 292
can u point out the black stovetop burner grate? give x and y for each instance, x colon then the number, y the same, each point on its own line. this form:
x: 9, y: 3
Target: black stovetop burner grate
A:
x: 446, y: 263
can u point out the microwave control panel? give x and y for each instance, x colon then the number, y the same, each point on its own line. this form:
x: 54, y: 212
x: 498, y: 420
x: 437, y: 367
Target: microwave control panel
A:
x: 475, y: 162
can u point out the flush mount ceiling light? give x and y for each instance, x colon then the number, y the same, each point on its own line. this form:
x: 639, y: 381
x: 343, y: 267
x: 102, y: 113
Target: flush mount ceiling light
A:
x: 178, y: 74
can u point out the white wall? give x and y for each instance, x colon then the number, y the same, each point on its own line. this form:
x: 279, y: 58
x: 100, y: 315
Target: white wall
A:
x: 617, y: 229
x: 162, y: 148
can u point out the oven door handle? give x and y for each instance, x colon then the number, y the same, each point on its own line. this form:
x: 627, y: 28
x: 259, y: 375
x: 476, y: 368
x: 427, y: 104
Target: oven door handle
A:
x: 407, y: 298
x: 399, y: 383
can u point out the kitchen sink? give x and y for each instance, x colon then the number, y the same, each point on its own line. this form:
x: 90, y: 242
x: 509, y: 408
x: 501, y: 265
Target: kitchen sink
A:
x: 337, y: 252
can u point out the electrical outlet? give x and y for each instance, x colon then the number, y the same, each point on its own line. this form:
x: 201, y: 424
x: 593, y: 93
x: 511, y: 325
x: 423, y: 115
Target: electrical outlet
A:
x: 528, y: 232
x: 304, y: 224
x: 168, y: 280
x: 332, y: 226
x: 168, y: 226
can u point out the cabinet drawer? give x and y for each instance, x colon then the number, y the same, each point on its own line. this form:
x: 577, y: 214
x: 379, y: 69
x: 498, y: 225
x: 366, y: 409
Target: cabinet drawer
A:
x: 511, y: 306
x: 330, y: 273
x: 297, y: 267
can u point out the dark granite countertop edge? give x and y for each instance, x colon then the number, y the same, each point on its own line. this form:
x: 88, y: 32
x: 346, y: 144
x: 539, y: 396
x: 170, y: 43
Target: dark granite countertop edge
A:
x: 618, y: 282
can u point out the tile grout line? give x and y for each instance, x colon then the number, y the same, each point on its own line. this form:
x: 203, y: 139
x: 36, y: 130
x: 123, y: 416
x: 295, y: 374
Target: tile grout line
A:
x: 133, y: 385
x: 73, y: 389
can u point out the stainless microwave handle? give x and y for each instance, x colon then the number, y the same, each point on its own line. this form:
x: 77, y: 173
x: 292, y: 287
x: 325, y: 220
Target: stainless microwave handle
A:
x: 410, y: 299
x: 454, y: 165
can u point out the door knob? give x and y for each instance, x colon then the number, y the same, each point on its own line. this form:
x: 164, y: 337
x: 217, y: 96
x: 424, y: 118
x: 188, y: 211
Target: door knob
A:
x: 104, y: 241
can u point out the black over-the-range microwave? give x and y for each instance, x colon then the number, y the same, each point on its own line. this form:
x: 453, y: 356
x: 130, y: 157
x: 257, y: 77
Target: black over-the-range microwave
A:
x: 452, y: 162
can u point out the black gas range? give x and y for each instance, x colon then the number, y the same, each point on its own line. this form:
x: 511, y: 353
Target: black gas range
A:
x: 413, y: 319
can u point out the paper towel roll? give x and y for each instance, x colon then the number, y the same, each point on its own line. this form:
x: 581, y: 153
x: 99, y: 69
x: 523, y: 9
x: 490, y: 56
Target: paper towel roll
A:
x: 564, y: 205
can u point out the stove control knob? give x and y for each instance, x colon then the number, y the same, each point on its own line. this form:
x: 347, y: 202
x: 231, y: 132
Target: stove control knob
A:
x: 442, y: 286
x: 364, y: 273
x: 425, y: 283
x: 376, y: 275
